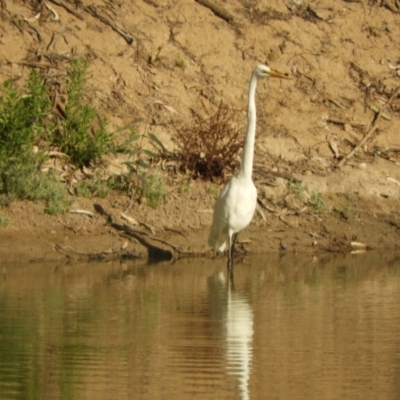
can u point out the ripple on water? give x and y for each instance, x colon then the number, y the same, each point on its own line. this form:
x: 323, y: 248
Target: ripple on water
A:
x: 289, y: 329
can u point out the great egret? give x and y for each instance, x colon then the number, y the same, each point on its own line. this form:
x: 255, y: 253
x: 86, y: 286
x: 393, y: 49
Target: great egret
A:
x: 235, y: 206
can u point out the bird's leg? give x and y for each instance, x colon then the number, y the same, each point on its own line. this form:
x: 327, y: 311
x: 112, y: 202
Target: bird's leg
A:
x: 230, y: 261
x: 232, y: 241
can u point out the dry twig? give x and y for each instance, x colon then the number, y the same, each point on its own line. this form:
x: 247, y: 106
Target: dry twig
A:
x: 100, y: 256
x: 391, y: 6
x: 341, y: 122
x: 92, y: 11
x: 218, y: 11
x: 268, y: 208
x: 371, y: 128
x: 143, y: 238
x: 68, y: 8
x: 260, y: 213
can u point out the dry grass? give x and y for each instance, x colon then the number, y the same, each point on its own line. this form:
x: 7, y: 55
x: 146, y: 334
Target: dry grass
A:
x: 208, y: 148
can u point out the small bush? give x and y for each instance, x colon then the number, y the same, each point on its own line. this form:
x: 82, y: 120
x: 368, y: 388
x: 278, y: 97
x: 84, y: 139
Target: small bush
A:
x: 185, y: 187
x: 4, y: 221
x: 213, y: 191
x: 80, y: 138
x: 153, y: 189
x: 22, y: 114
x: 180, y: 63
x: 318, y: 203
x: 24, y: 180
x: 209, y: 148
x: 27, y: 120
x: 92, y: 187
x: 137, y: 181
x: 297, y: 188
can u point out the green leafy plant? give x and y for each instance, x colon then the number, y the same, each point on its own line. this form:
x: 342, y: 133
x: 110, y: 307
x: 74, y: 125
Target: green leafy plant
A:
x: 24, y: 119
x: 136, y: 151
x: 84, y: 137
x: 318, y: 203
x: 180, y: 63
x: 185, y: 187
x: 93, y: 187
x: 213, y: 191
x: 296, y: 188
x: 24, y: 180
x: 22, y: 114
x: 153, y: 189
x: 4, y: 221
x: 158, y: 56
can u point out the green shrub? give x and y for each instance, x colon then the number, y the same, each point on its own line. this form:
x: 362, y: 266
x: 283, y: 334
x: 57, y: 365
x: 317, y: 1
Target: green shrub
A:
x: 296, y: 187
x: 92, y: 187
x: 318, y: 203
x: 22, y: 114
x: 24, y: 180
x: 180, y: 63
x: 4, y: 221
x: 26, y: 120
x: 83, y: 141
x: 153, y: 189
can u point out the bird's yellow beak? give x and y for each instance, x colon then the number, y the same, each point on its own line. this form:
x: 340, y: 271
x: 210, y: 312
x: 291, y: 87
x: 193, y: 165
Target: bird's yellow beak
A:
x: 276, y: 74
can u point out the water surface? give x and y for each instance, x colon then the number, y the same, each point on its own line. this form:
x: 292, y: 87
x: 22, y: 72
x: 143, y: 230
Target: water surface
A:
x: 290, y: 328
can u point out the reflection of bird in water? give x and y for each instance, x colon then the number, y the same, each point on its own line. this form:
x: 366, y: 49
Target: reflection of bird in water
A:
x: 235, y: 315
x: 237, y: 201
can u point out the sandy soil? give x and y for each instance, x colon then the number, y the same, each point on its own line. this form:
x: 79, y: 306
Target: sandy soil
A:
x: 344, y: 58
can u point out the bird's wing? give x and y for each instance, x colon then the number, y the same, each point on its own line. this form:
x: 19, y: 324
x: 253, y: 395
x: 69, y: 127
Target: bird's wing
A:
x: 219, y: 228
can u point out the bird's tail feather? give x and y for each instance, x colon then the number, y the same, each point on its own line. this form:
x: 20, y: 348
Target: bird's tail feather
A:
x: 217, y: 243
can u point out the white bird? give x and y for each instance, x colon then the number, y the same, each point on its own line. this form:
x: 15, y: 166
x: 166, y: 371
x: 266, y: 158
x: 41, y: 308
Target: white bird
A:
x: 236, y: 204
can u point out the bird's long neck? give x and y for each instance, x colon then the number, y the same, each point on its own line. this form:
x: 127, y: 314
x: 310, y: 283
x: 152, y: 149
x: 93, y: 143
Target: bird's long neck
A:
x: 246, y: 166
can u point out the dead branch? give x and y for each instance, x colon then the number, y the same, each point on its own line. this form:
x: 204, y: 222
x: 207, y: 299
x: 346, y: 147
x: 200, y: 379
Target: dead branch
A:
x: 268, y: 208
x: 218, y: 11
x: 37, y: 65
x: 92, y: 11
x: 38, y: 35
x: 177, y: 231
x: 341, y: 122
x: 332, y: 145
x: 371, y: 128
x: 155, y: 252
x: 390, y: 6
x: 336, y: 103
x: 68, y: 8
x: 277, y: 174
x: 100, y: 256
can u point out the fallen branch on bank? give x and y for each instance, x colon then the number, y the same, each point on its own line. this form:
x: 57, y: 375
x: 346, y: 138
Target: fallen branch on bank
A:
x: 218, y: 11
x: 371, y: 128
x: 155, y: 252
x: 92, y: 11
x: 98, y: 256
x: 67, y: 8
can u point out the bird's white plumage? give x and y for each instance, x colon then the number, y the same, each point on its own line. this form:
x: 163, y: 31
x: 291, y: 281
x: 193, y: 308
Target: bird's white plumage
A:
x: 233, y: 211
x: 236, y: 204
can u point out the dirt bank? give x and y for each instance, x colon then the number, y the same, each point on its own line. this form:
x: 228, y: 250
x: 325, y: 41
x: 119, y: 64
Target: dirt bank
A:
x: 344, y: 58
